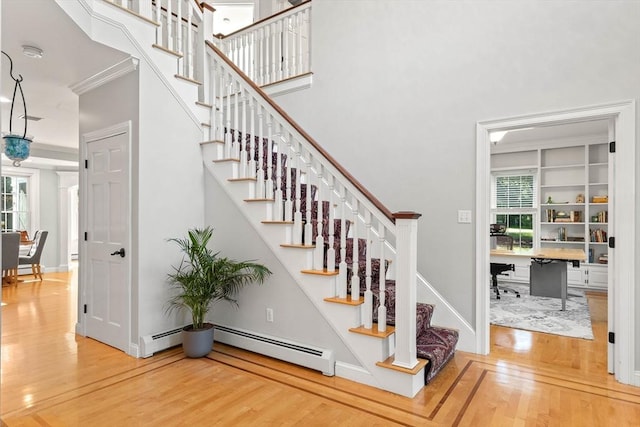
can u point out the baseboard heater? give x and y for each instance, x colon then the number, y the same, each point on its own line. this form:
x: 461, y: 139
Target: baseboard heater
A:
x: 322, y: 360
x: 160, y: 341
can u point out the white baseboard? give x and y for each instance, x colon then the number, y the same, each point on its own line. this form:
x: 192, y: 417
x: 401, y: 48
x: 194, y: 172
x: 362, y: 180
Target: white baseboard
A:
x: 355, y: 373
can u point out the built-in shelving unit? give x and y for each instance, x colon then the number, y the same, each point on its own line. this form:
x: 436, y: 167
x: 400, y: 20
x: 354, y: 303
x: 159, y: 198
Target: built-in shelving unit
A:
x: 572, y: 185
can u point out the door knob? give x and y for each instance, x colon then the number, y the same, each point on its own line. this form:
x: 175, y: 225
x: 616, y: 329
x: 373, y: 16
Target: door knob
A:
x: 120, y: 252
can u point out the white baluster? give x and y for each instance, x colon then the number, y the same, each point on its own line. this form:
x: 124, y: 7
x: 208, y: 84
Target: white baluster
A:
x: 252, y: 166
x: 297, y: 217
x: 288, y: 205
x: 279, y: 42
x: 269, y: 150
x: 342, y: 267
x: 331, y: 251
x: 260, y: 184
x: 244, y: 158
x: 170, y: 40
x: 277, y: 194
x: 227, y: 139
x: 285, y: 47
x: 367, y: 308
x: 160, y: 27
x: 236, y: 118
x: 179, y: 46
x: 318, y: 260
x: 355, y: 260
x: 382, y: 309
x: 308, y: 229
x: 190, y: 42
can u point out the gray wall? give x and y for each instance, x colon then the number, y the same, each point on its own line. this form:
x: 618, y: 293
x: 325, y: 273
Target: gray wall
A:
x: 407, y: 81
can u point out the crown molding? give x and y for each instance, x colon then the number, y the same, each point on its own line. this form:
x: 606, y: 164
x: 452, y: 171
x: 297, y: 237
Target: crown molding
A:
x: 105, y: 76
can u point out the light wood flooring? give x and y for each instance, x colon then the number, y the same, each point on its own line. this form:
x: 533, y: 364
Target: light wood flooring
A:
x: 53, y: 377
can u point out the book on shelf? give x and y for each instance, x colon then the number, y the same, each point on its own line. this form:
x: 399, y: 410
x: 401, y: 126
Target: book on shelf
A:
x: 590, y: 255
x: 598, y: 235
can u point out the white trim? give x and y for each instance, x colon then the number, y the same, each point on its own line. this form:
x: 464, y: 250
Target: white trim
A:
x: 105, y: 76
x: 624, y: 114
x: 289, y: 85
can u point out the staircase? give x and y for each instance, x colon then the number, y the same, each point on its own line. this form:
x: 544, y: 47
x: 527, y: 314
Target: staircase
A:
x: 354, y: 259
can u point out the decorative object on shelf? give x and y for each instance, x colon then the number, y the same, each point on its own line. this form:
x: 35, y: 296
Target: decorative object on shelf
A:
x: 600, y: 199
x: 580, y: 198
x: 549, y: 200
x: 16, y: 147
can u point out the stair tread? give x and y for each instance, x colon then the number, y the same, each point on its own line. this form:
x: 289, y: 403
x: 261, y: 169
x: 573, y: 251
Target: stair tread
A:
x: 389, y: 365
x: 226, y: 160
x: 322, y: 272
x: 276, y: 222
x: 300, y: 246
x: 263, y: 199
x: 241, y: 179
x: 373, y: 332
x: 346, y: 301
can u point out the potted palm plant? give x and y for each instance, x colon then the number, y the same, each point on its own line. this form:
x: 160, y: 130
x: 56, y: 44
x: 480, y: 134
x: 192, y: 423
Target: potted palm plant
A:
x: 203, y: 278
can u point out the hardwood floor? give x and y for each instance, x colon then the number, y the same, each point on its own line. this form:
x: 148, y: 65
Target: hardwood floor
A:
x: 52, y: 377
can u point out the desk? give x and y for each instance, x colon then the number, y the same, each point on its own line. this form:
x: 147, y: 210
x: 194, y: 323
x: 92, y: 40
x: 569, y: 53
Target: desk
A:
x: 545, y: 255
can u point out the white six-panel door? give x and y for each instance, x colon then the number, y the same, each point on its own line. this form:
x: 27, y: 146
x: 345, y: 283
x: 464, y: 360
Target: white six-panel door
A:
x: 106, y: 260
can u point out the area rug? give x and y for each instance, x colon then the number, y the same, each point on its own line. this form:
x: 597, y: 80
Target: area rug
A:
x: 542, y: 314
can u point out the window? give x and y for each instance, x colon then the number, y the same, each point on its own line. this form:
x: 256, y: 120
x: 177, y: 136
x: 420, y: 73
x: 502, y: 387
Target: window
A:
x: 18, y: 195
x: 513, y: 202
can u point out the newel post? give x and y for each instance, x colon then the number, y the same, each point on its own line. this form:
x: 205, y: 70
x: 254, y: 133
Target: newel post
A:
x: 406, y: 269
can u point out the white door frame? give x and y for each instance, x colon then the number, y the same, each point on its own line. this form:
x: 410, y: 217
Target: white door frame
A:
x: 624, y: 115
x: 81, y: 326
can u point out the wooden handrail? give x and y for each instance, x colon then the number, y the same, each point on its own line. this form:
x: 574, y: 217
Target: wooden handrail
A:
x: 255, y: 24
x: 377, y: 203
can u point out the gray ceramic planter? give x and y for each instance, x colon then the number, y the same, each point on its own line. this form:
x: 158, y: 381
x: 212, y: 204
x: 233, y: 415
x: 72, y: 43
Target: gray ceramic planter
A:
x: 199, y: 342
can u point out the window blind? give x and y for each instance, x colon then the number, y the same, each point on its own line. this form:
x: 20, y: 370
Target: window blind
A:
x: 516, y: 191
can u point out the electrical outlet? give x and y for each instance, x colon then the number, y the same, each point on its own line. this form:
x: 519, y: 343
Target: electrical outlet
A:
x: 269, y: 314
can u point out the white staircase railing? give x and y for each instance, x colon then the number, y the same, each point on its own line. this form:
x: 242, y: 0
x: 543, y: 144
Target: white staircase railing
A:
x: 273, y: 49
x: 277, y: 156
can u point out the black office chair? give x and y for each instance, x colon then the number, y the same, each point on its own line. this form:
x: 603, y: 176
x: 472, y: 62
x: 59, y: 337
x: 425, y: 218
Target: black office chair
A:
x: 502, y: 241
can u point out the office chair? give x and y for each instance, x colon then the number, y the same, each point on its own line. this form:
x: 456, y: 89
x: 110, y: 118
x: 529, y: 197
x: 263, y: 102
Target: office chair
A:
x: 502, y: 241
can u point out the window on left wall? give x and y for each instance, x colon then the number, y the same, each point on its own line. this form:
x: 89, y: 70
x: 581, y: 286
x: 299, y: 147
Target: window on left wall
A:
x: 15, y: 203
x: 18, y: 192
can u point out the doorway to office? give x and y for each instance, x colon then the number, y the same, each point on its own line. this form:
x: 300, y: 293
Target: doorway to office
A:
x: 621, y: 267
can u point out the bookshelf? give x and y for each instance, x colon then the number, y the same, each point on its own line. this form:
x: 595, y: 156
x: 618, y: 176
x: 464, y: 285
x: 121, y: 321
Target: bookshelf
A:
x: 573, y: 209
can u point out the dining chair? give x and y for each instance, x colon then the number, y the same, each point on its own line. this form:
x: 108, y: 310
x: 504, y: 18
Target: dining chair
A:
x: 35, y: 254
x: 10, y: 257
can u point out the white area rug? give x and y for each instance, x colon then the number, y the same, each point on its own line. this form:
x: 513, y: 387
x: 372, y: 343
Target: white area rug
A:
x: 542, y: 314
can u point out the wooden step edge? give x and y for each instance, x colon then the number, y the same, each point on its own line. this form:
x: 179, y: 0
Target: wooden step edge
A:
x: 205, y: 125
x: 276, y: 222
x: 167, y: 50
x: 345, y: 301
x: 204, y: 104
x: 187, y: 79
x: 137, y: 15
x: 248, y: 179
x: 212, y: 141
x: 259, y: 200
x: 226, y: 160
x: 373, y: 332
x: 287, y: 245
x: 322, y: 272
x: 416, y: 369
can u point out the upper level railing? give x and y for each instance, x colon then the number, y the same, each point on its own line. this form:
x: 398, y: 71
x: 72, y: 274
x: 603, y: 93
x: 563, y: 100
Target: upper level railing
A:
x: 272, y: 49
x: 180, y: 30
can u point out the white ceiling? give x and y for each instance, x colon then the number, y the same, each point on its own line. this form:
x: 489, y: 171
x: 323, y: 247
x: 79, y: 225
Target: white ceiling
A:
x: 69, y: 57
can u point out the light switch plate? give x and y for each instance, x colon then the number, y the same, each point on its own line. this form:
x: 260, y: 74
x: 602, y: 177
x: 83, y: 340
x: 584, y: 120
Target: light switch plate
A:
x: 464, y: 217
